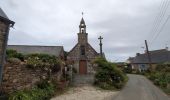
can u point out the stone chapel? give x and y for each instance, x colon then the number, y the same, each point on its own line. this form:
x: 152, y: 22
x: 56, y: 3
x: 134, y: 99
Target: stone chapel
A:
x: 82, y: 53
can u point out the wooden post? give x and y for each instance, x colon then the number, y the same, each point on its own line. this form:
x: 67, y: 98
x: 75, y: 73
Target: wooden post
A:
x: 149, y: 56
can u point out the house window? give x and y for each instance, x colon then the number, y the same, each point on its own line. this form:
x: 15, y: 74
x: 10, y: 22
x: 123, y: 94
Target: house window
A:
x: 82, y: 50
x: 143, y: 67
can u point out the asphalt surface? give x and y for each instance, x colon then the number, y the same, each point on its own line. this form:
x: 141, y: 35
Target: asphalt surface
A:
x: 140, y: 88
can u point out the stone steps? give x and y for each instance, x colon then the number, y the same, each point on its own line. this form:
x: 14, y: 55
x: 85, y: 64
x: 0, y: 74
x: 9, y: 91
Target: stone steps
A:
x: 83, y: 79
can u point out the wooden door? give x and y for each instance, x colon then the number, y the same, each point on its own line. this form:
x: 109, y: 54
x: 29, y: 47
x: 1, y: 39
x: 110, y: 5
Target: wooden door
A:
x: 82, y: 67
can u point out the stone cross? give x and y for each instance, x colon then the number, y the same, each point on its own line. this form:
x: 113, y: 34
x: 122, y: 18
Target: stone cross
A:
x: 100, y: 38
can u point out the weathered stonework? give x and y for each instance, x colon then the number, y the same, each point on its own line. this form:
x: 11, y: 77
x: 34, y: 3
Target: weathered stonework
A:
x: 77, y: 54
x: 3, y: 37
x: 18, y: 76
x: 5, y: 25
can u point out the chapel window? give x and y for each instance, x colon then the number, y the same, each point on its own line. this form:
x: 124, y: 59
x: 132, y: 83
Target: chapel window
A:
x: 82, y: 50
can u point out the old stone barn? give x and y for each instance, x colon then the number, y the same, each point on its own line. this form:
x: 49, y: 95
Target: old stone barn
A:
x: 82, y: 54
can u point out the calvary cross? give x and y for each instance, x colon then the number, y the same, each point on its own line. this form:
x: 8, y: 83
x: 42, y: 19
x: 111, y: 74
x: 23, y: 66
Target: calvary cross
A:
x: 100, y: 38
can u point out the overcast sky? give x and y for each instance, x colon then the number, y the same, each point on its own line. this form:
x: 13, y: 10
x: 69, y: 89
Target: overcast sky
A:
x: 124, y: 24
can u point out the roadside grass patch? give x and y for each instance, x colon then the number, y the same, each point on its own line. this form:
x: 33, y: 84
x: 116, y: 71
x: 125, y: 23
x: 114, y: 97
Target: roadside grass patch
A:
x: 161, y: 77
x: 43, y: 91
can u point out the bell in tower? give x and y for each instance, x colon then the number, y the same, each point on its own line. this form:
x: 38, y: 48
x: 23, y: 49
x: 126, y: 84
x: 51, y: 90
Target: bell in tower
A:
x: 82, y: 26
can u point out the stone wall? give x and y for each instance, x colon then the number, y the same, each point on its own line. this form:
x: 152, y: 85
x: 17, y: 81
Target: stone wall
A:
x: 90, y: 55
x: 3, y: 34
x: 17, y: 76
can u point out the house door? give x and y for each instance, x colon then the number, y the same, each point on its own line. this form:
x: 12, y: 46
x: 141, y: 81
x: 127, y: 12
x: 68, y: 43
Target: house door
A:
x: 82, y: 67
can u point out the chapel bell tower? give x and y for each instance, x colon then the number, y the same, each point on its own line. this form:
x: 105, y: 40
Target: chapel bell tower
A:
x: 82, y: 35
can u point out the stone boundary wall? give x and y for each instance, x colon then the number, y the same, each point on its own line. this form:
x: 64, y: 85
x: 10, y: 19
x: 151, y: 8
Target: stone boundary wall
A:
x: 18, y: 77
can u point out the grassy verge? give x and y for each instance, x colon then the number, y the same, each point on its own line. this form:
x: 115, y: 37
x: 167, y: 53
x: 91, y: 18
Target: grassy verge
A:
x: 161, y: 80
x: 166, y: 90
x: 44, y: 90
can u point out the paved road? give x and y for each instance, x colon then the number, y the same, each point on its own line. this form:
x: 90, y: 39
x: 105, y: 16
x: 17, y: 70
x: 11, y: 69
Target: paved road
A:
x: 140, y: 88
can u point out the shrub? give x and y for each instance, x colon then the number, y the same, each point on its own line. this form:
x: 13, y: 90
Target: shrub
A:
x: 19, y: 95
x: 74, y: 70
x: 161, y: 76
x: 14, y: 54
x: 43, y: 91
x: 108, y: 75
x: 43, y: 61
x: 14, y: 60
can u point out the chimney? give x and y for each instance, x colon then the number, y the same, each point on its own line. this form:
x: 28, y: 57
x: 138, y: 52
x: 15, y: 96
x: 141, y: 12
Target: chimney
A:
x: 145, y: 51
x: 137, y: 54
x: 166, y: 48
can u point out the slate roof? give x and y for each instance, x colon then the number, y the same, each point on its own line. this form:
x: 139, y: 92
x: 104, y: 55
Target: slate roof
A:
x: 82, y: 21
x: 4, y: 17
x: 157, y: 56
x: 28, y: 49
x: 2, y: 14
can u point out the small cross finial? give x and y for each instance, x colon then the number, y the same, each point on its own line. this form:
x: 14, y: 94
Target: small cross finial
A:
x: 100, y: 38
x: 82, y: 14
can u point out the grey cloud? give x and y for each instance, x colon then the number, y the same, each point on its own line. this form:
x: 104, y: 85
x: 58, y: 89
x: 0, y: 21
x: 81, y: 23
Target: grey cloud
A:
x: 124, y: 24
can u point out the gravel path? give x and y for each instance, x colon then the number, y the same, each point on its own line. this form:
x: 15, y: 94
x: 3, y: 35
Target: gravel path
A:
x: 86, y: 93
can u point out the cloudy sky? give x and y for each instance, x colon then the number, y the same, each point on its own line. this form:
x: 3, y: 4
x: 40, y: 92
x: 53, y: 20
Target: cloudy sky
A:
x: 124, y: 24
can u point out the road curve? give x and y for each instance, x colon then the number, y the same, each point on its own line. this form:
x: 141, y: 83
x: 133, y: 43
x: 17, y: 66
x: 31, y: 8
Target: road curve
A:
x: 140, y: 88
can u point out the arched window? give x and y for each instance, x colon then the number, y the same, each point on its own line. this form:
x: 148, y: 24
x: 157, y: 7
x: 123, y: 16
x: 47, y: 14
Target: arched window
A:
x: 82, y: 48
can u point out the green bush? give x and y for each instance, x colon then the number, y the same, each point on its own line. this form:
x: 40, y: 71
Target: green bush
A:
x: 14, y: 54
x: 43, y: 91
x: 161, y: 76
x: 108, y: 75
x: 14, y: 61
x: 43, y: 61
x: 74, y: 70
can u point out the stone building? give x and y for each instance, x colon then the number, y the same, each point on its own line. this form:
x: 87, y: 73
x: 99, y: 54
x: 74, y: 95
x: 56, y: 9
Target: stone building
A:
x: 5, y: 24
x: 140, y: 61
x: 82, y: 53
x: 57, y: 51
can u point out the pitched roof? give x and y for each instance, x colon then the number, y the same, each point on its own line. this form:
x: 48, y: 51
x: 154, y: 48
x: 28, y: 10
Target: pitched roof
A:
x: 2, y: 14
x: 93, y: 48
x: 28, y: 49
x: 157, y: 56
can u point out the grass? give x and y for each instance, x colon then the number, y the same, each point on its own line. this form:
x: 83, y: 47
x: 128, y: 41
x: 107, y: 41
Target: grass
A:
x: 166, y: 90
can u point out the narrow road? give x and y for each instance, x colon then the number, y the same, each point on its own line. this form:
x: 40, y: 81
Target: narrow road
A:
x: 140, y: 88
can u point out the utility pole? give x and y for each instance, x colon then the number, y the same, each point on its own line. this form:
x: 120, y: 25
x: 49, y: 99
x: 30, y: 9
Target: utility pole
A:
x: 148, y: 54
x: 100, y: 38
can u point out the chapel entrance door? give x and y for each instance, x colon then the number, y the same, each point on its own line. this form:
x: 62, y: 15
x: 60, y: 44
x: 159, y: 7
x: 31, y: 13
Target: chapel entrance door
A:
x: 83, y: 67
